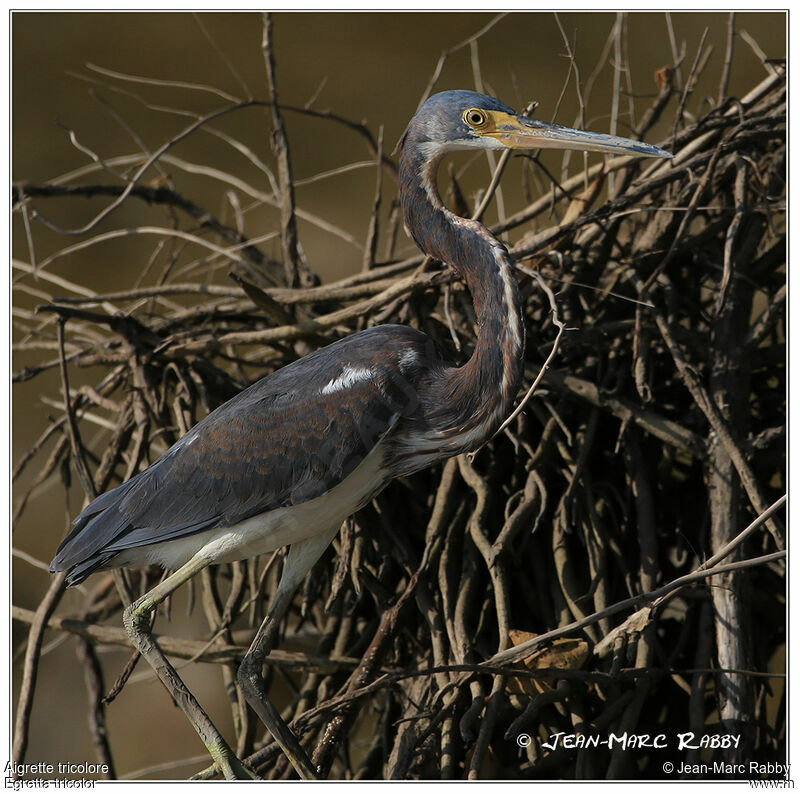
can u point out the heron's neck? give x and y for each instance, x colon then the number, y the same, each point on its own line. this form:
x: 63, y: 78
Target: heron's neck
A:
x: 473, y: 399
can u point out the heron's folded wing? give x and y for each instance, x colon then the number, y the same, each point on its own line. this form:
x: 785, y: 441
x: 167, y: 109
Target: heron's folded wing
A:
x: 285, y: 440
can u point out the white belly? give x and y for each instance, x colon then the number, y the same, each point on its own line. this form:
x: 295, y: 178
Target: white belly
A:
x: 269, y: 531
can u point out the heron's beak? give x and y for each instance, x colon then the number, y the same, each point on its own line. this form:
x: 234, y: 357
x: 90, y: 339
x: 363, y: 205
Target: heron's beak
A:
x: 521, y: 132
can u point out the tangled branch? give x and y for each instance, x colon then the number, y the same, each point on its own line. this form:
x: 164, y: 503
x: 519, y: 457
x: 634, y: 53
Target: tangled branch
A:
x: 654, y: 436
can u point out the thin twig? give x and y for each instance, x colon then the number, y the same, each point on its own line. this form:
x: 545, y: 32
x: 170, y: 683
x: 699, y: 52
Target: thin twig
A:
x: 726, y: 66
x: 38, y: 622
x: 280, y: 146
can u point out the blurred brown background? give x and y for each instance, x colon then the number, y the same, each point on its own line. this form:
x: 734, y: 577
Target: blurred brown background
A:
x: 372, y: 67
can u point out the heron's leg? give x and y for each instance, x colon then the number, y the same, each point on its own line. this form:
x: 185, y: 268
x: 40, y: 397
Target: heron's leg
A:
x: 301, y: 558
x: 137, y: 623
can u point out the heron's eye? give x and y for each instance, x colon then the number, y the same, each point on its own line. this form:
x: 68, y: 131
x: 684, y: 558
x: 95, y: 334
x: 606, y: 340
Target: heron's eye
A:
x: 475, y: 118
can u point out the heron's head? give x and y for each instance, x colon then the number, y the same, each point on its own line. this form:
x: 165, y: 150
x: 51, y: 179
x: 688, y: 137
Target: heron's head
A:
x: 458, y: 120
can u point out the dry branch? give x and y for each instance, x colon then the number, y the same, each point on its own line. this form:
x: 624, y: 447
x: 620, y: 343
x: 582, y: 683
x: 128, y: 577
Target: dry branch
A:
x: 655, y: 433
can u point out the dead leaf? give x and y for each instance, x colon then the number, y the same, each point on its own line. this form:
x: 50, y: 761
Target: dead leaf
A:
x: 663, y: 76
x: 564, y: 653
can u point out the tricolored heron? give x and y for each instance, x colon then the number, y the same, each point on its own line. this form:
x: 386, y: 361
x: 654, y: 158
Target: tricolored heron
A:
x: 292, y: 456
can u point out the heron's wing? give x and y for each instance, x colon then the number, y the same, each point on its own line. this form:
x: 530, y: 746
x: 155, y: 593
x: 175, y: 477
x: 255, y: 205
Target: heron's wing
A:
x: 287, y: 439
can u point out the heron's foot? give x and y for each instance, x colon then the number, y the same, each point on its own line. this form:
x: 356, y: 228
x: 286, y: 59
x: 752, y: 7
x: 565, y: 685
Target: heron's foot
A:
x: 252, y: 684
x: 136, y: 618
x: 231, y: 766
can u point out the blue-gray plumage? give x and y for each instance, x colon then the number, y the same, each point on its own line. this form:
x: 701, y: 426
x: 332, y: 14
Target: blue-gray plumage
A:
x: 286, y: 439
x: 288, y: 459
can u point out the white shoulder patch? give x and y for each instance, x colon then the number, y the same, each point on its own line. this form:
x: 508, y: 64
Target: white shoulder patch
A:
x: 349, y: 376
